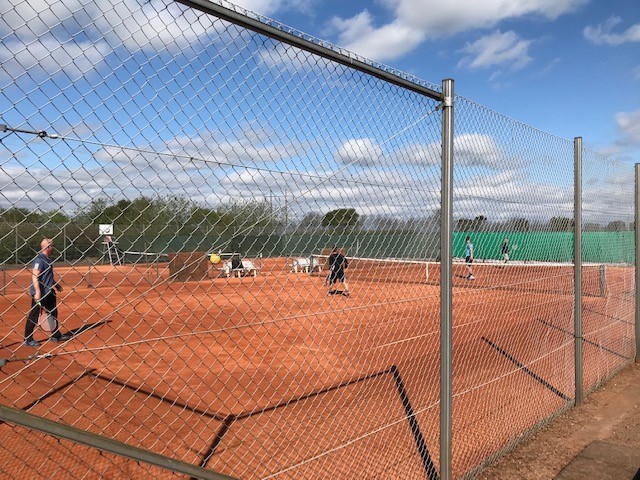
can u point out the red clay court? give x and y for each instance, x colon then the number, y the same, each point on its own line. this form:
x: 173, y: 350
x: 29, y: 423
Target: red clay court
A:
x: 270, y: 377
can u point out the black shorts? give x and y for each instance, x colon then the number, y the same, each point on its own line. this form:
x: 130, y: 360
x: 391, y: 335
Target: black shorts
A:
x: 468, y: 260
x: 336, y: 276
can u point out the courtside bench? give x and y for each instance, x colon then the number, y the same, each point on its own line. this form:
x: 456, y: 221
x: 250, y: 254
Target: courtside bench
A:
x: 248, y: 268
x: 306, y: 265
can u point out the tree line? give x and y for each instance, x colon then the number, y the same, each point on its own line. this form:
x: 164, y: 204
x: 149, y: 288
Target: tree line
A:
x: 159, y: 213
x: 555, y: 224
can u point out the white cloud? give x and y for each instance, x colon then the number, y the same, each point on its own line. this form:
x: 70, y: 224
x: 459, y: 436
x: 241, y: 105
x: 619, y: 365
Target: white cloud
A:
x: 470, y: 150
x: 360, y: 151
x: 487, y: 182
x: 246, y: 146
x: 606, y: 197
x: 269, y: 7
x: 263, y: 7
x: 417, y: 20
x: 293, y: 60
x: 603, y: 35
x: 390, y: 41
x: 439, y: 18
x: 497, y: 49
x: 474, y: 149
x: 49, y: 56
x: 629, y: 125
x: 418, y: 154
x: 549, y: 67
x: 68, y: 36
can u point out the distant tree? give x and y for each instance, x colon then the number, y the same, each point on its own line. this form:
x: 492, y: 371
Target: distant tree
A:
x: 519, y: 225
x: 91, y: 212
x: 101, y: 211
x: 421, y: 224
x: 561, y: 224
x: 464, y: 225
x: 17, y: 215
x: 204, y: 217
x: 592, y: 227
x: 616, y: 226
x: 252, y: 215
x: 310, y: 221
x: 434, y: 218
x: 341, y: 218
x: 479, y: 224
x: 56, y: 216
x: 382, y: 223
x: 160, y: 212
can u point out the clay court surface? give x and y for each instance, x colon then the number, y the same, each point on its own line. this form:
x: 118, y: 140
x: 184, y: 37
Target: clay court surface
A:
x: 271, y: 377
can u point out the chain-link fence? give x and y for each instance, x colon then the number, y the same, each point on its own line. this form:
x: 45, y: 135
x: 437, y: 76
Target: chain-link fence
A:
x: 195, y: 166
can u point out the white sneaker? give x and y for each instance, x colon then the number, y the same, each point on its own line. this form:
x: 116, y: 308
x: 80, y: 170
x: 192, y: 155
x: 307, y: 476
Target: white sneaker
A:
x: 471, y: 277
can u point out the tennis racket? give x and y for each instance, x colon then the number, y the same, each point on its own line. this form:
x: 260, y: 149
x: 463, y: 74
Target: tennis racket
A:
x: 46, y: 320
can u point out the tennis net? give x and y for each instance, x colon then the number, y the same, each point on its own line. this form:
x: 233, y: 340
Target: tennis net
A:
x: 554, y: 278
x: 144, y: 258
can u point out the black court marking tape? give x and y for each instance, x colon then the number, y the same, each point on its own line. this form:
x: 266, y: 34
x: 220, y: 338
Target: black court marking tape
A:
x: 608, y: 316
x: 37, y: 356
x: 84, y: 328
x: 429, y: 467
x: 227, y: 420
x: 53, y: 392
x: 226, y: 425
x: 56, y: 390
x: 612, y: 352
x: 161, y: 398
x: 526, y: 370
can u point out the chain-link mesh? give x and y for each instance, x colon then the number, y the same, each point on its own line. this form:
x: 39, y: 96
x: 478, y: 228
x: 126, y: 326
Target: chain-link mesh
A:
x: 513, y: 209
x: 159, y: 146
x: 192, y: 136
x: 608, y: 234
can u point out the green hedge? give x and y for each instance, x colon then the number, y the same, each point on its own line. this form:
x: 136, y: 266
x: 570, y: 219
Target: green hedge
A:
x: 19, y: 244
x: 597, y: 247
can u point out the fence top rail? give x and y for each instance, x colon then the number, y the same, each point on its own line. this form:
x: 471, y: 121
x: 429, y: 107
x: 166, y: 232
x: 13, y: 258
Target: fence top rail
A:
x: 271, y: 28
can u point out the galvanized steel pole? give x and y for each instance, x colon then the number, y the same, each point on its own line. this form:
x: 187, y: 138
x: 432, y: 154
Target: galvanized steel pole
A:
x: 106, y: 444
x: 446, y: 258
x: 637, y: 258
x: 577, y: 268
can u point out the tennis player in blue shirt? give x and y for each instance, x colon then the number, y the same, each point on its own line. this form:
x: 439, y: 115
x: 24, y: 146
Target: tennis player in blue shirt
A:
x: 43, y: 293
x: 468, y: 258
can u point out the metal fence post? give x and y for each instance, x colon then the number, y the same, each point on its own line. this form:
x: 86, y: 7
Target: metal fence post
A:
x: 577, y: 269
x: 637, y: 256
x: 446, y: 247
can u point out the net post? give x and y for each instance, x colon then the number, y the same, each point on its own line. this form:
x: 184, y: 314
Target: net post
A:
x: 446, y: 248
x: 637, y: 257
x: 577, y: 269
x: 602, y: 278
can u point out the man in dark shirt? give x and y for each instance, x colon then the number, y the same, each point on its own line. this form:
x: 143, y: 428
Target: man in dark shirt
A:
x: 236, y: 262
x: 337, y: 264
x: 43, y: 295
x: 505, y: 250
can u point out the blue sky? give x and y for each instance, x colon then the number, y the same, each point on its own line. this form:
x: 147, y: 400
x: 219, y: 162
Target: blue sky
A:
x: 152, y: 98
x: 568, y: 67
